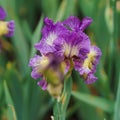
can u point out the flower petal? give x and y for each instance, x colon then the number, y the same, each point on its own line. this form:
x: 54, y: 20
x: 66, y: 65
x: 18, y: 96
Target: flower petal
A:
x: 50, y: 33
x: 90, y: 79
x: 85, y: 23
x: 3, y: 13
x: 74, y: 44
x: 72, y: 23
x: 38, y: 64
x: 43, y: 84
x: 11, y: 28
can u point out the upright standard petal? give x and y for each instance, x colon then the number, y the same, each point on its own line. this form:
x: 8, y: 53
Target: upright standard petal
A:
x: 85, y: 23
x: 74, y: 24
x: 50, y: 33
x: 2, y: 13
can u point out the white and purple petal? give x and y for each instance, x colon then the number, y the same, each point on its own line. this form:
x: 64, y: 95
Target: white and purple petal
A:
x: 88, y: 66
x: 74, y: 44
x: 50, y: 33
x: 74, y: 24
x: 38, y: 64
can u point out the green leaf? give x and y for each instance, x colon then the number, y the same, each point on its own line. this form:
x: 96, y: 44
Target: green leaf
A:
x: 98, y: 102
x: 82, y: 108
x: 27, y: 30
x: 36, y: 36
x: 49, y: 8
x: 9, y: 101
x: 61, y: 10
x: 13, y: 78
x: 88, y: 7
x: 117, y: 103
x: 21, y: 47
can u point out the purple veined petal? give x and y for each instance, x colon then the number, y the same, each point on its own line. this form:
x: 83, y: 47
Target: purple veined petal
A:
x: 90, y: 79
x: 11, y: 28
x: 75, y: 44
x: 44, y: 48
x: 88, y: 67
x: 43, y: 84
x: 92, y: 60
x: 72, y: 23
x: 77, y: 63
x: 48, y: 21
x: 85, y: 23
x: 3, y: 13
x: 38, y: 64
x: 11, y: 24
x: 95, y: 50
x: 85, y: 71
x: 83, y: 52
x: 84, y: 46
x: 51, y: 33
x: 35, y: 74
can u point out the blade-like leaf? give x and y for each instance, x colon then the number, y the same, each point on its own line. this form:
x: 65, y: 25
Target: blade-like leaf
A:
x: 117, y: 103
x: 9, y: 101
x: 36, y: 36
x: 98, y: 102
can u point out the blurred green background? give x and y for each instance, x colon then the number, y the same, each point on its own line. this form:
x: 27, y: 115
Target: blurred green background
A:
x: 22, y: 99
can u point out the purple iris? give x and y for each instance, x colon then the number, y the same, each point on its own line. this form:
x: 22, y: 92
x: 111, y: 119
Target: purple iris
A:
x: 7, y: 27
x: 67, y: 43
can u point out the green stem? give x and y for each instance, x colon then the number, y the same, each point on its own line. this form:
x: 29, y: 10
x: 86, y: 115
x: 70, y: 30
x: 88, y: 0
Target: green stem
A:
x: 60, y: 106
x: 117, y: 103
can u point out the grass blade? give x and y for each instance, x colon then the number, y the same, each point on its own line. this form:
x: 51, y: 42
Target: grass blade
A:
x: 117, y: 103
x: 11, y: 110
x: 101, y: 103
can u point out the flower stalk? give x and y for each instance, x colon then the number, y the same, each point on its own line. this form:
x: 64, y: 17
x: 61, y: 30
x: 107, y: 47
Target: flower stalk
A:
x: 59, y: 110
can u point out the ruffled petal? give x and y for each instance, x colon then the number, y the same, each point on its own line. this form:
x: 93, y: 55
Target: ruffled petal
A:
x: 90, y: 79
x: 50, y: 33
x: 85, y: 23
x: 42, y: 84
x: 74, y: 44
x: 38, y: 64
x: 72, y: 23
x: 11, y: 28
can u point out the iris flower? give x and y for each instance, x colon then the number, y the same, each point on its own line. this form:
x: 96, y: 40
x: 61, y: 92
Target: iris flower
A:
x: 67, y: 43
x: 6, y: 27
